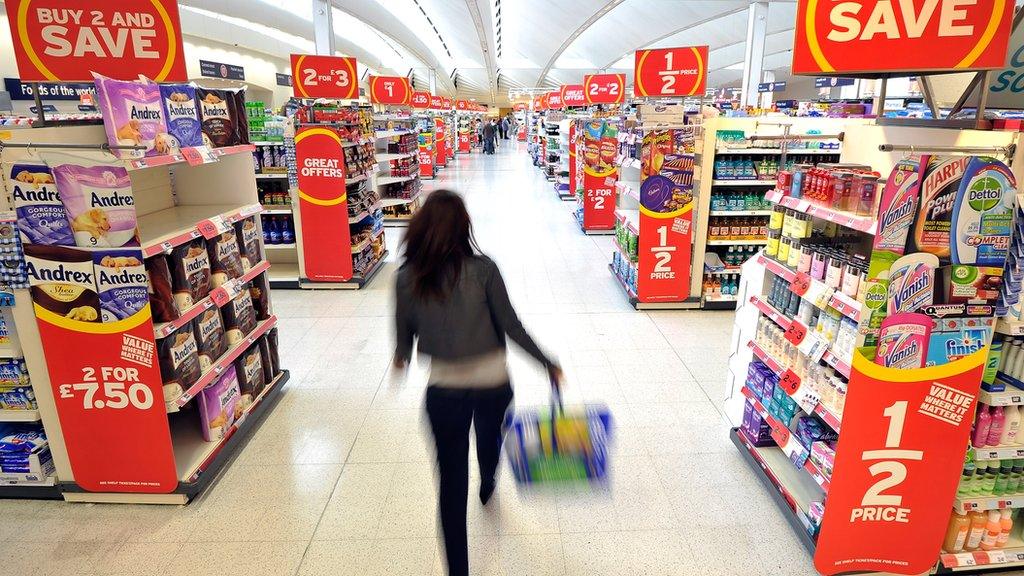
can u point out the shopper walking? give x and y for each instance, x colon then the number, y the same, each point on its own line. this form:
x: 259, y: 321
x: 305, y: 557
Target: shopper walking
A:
x: 503, y: 128
x: 453, y: 300
x: 488, y: 137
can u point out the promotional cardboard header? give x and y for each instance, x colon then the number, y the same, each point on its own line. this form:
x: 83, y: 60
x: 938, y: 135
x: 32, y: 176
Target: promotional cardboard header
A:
x: 670, y: 71
x: 390, y: 90
x: 879, y: 38
x: 324, y: 77
x: 421, y: 100
x: 572, y: 95
x: 604, y: 88
x: 58, y: 40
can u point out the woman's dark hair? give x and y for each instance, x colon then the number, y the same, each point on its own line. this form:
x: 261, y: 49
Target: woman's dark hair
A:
x: 437, y: 243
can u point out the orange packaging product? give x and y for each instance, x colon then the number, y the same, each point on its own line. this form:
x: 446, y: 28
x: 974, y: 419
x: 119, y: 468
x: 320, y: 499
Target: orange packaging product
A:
x: 956, y: 533
x: 977, y: 530
x: 992, y: 530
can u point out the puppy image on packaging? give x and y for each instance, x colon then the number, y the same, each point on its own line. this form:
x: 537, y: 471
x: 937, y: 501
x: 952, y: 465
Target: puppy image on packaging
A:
x: 41, y: 215
x: 98, y: 198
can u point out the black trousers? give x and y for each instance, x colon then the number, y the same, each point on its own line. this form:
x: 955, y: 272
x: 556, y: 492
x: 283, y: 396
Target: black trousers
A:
x: 451, y: 411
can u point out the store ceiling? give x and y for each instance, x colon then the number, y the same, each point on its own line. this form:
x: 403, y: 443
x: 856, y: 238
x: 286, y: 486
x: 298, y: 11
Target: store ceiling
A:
x: 481, y: 49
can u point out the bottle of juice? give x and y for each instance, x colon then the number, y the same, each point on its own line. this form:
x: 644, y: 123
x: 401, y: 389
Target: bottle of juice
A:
x: 956, y: 533
x: 982, y: 424
x: 995, y: 431
x: 976, y: 531
x: 992, y: 529
x: 1011, y: 425
x: 1006, y: 523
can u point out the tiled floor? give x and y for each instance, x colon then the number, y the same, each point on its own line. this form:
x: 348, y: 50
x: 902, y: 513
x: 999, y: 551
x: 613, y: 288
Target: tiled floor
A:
x: 339, y: 479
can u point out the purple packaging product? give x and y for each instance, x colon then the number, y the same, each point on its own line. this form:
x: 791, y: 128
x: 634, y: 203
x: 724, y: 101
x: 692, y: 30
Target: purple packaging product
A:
x: 912, y: 282
x: 41, y: 215
x: 217, y: 114
x: 220, y: 406
x: 241, y: 116
x: 760, y: 433
x: 249, y: 242
x: 181, y: 114
x: 225, y: 260
x: 132, y: 116
x: 121, y: 282
x: 98, y: 198
x: 903, y: 340
x: 62, y: 281
x: 748, y: 409
x: 210, y: 341
x: 275, y: 358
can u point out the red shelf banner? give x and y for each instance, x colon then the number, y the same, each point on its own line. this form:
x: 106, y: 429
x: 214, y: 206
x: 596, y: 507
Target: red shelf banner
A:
x: 520, y: 106
x: 599, y: 198
x: 426, y: 152
x: 461, y: 105
x: 670, y: 71
x: 110, y: 401
x: 66, y: 40
x: 323, y: 203
x: 574, y: 184
x: 897, y: 466
x: 604, y: 88
x: 572, y: 95
x: 833, y: 38
x: 421, y: 100
x: 663, y: 268
x: 324, y: 77
x: 440, y: 142
x: 393, y: 90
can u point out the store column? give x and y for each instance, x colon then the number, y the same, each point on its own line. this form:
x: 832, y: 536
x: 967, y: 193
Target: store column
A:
x: 753, y: 61
x: 323, y: 27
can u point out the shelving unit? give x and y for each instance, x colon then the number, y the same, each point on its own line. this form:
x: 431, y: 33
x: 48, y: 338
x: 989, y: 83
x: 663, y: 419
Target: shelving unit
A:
x: 398, y: 161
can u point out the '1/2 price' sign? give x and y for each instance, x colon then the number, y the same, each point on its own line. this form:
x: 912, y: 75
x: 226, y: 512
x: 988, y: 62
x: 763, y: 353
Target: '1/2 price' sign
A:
x: 604, y: 88
x: 670, y: 71
x: 324, y: 77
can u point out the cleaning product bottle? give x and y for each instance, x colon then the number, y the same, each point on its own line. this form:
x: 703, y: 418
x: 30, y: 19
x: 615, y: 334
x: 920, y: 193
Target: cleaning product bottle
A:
x: 287, y: 234
x: 990, y: 477
x: 275, y: 230
x: 1013, y: 485
x: 978, y: 481
x: 982, y: 423
x: 956, y: 532
x: 1003, y: 479
x: 967, y: 478
x: 1010, y: 350
x: 995, y: 431
x: 1006, y: 525
x: 976, y: 531
x: 1011, y: 426
x: 992, y: 529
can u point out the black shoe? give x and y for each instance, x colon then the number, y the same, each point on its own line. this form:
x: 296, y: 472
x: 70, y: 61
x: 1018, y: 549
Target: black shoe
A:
x: 486, y: 491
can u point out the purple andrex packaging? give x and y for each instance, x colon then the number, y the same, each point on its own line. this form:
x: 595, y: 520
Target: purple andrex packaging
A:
x: 121, y: 282
x: 41, y: 215
x: 98, y: 198
x: 132, y: 116
x: 220, y: 405
x: 181, y: 114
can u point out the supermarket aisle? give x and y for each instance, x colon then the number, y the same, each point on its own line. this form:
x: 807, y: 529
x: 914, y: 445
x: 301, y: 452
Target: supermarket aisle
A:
x: 339, y: 479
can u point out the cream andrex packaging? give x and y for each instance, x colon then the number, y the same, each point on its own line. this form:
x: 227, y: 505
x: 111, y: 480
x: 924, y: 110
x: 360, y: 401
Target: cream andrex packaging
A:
x: 903, y: 340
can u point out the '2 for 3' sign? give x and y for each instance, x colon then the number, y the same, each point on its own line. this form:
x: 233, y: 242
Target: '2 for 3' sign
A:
x: 897, y: 465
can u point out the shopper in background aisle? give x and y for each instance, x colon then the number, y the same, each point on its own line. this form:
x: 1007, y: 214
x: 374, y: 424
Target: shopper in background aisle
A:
x: 503, y: 128
x: 488, y: 135
x: 453, y: 300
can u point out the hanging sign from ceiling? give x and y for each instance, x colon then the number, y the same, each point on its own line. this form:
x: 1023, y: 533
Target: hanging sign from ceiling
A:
x: 572, y: 95
x: 771, y: 87
x: 833, y: 82
x: 324, y: 77
x: 283, y: 79
x: 221, y: 70
x: 670, y: 71
x: 555, y: 100
x: 520, y: 106
x: 67, y: 40
x: 446, y: 103
x: 436, y: 102
x: 604, y: 88
x: 461, y: 105
x: 421, y: 100
x: 390, y: 90
x: 871, y: 38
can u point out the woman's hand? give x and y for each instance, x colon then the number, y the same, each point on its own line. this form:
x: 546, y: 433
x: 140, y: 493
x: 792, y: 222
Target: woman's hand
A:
x: 556, y: 375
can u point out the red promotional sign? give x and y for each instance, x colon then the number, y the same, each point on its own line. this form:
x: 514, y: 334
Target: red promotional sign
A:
x: 446, y: 103
x: 320, y: 163
x: 599, y: 199
x: 670, y: 71
x: 390, y: 90
x: 425, y: 152
x: 65, y: 40
x: 464, y: 142
x: 572, y: 95
x: 324, y: 77
x: 440, y: 142
x: 663, y: 268
x: 897, y: 465
x: 519, y: 106
x: 461, y: 105
x: 573, y: 160
x: 436, y: 102
x: 421, y: 100
x: 604, y: 88
x: 871, y: 37
x: 110, y: 402
x: 554, y: 100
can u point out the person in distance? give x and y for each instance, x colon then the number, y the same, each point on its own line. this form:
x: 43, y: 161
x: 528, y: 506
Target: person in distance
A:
x: 488, y: 135
x: 451, y: 300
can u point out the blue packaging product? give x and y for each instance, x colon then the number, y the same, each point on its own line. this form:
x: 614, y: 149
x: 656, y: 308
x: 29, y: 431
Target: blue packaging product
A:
x: 796, y: 186
x: 121, y: 282
x: 760, y: 433
x: 42, y: 218
x: 26, y: 438
x: 945, y: 347
x: 13, y: 372
x: 982, y: 221
x: 182, y: 115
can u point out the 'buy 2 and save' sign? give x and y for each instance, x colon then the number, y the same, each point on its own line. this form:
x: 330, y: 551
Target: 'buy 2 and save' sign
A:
x: 670, y: 71
x: 900, y: 35
x: 66, y: 40
x: 324, y: 77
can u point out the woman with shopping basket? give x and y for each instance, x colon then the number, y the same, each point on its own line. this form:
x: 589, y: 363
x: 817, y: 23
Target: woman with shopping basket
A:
x: 453, y: 300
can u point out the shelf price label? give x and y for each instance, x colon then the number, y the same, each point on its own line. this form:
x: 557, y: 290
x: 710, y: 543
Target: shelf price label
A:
x: 604, y: 88
x: 795, y: 332
x: 800, y: 284
x: 670, y: 71
x: 897, y: 465
x: 315, y: 76
x: 802, y: 395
